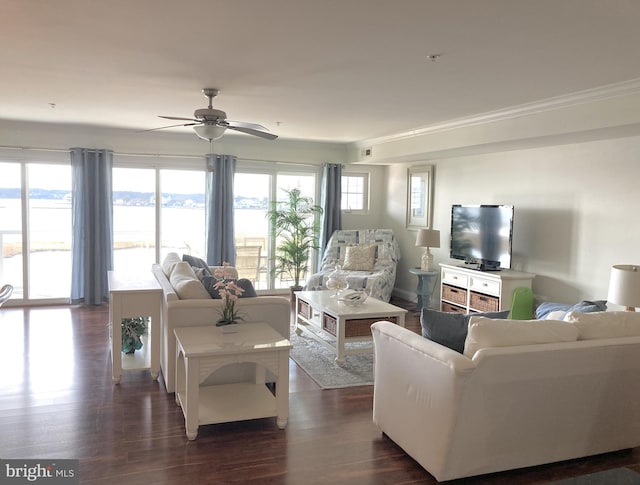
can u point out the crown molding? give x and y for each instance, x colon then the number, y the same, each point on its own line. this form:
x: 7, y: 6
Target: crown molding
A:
x: 624, y: 88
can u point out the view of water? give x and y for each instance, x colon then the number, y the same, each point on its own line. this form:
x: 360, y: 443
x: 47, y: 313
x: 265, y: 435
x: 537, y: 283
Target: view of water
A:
x: 183, y: 231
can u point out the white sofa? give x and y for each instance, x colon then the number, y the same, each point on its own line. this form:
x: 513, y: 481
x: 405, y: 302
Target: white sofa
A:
x: 197, y: 308
x: 505, y: 405
x: 378, y: 275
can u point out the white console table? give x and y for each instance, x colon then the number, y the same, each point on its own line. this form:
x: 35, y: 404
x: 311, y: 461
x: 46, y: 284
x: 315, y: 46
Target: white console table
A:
x: 134, y: 295
x: 464, y: 290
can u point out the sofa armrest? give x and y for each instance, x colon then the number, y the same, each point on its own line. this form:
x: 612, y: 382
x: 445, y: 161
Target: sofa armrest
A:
x: 418, y: 386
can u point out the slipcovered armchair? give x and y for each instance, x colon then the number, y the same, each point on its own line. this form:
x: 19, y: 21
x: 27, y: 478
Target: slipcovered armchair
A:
x: 368, y: 257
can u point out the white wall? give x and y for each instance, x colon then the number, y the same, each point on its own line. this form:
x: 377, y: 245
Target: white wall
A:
x: 576, y: 211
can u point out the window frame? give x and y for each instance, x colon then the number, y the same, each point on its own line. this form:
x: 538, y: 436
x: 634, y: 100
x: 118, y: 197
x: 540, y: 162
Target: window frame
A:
x: 365, y: 192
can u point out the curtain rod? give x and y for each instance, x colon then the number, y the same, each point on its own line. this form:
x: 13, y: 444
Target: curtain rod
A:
x: 150, y: 155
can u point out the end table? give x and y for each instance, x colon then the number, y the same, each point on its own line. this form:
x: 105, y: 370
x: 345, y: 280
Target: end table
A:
x: 424, y: 288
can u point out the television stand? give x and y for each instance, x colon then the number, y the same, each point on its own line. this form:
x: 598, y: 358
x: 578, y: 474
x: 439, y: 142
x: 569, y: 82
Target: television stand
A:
x: 466, y: 290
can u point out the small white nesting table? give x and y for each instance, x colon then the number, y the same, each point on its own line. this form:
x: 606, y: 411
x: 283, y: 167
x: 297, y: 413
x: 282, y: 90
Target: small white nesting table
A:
x: 134, y: 295
x: 200, y: 351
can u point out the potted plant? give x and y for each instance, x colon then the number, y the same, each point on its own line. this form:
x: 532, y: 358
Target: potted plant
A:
x: 132, y: 330
x: 295, y: 226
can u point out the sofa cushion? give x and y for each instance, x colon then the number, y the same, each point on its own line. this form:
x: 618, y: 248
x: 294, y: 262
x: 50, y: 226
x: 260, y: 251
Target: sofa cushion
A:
x: 605, y: 324
x: 359, y: 258
x: 169, y: 263
x: 486, y: 332
x: 186, y: 283
x: 209, y: 283
x: 450, y: 329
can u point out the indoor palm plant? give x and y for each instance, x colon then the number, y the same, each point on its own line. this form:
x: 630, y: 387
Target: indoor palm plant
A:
x: 295, y: 225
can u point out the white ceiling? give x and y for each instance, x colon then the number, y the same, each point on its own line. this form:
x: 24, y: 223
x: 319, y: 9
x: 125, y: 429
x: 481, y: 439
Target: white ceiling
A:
x: 333, y: 70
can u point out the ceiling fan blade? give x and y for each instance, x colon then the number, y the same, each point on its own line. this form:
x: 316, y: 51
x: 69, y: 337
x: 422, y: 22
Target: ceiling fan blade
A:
x: 178, y: 118
x: 251, y: 131
x: 242, y: 124
x: 170, y: 126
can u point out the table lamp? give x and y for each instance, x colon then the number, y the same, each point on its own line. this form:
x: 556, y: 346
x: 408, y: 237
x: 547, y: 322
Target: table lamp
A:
x: 624, y: 286
x: 427, y: 238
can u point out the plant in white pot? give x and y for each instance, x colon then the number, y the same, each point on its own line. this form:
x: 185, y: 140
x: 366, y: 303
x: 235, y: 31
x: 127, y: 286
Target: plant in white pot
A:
x: 295, y: 225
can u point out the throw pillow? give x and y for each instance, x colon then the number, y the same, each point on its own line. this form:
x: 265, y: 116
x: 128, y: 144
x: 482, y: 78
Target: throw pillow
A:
x: 450, y: 329
x: 209, y: 283
x: 186, y: 283
x: 198, y: 263
x: 359, y: 258
x: 598, y: 325
x: 485, y: 332
x: 550, y: 310
x: 169, y: 263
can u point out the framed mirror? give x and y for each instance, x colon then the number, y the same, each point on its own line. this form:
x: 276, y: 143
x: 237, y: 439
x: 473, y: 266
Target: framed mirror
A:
x: 419, y: 194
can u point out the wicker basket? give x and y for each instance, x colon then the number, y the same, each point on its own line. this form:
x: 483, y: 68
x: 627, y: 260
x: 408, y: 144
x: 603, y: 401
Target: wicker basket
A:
x: 356, y: 327
x: 484, y: 303
x: 304, y: 309
x: 453, y: 294
x: 448, y: 307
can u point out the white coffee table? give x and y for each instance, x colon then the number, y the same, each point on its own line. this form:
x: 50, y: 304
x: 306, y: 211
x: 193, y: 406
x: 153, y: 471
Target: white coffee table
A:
x: 319, y: 312
x: 200, y: 351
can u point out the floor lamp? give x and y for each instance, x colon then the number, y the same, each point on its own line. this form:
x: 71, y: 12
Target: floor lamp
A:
x: 624, y: 286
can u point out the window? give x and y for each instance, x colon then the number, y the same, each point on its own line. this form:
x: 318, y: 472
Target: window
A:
x: 134, y: 218
x: 182, y: 213
x: 49, y: 230
x: 355, y: 192
x: 35, y: 229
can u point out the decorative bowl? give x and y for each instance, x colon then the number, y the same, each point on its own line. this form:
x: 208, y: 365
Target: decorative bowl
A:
x: 353, y: 297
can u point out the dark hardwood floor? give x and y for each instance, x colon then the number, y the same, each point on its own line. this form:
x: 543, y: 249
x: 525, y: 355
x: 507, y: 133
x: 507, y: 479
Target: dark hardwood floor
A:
x: 57, y: 401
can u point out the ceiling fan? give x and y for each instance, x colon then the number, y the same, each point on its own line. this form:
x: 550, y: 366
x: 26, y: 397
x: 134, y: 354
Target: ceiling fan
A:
x: 210, y: 124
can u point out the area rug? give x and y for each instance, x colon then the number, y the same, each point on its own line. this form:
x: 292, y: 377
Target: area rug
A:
x: 319, y: 362
x: 617, y: 476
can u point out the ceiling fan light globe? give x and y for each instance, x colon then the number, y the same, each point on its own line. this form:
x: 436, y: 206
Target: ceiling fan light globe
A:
x: 209, y: 131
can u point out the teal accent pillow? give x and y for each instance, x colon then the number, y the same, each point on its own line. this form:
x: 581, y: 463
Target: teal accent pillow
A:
x: 450, y: 329
x: 209, y: 283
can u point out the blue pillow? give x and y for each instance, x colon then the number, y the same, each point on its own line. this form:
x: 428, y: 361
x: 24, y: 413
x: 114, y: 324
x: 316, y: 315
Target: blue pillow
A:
x: 584, y: 306
x: 589, y: 306
x: 209, y: 283
x: 198, y: 263
x: 450, y: 329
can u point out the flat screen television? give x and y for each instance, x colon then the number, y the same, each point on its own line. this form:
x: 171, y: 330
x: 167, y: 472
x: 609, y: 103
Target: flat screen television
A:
x: 482, y: 235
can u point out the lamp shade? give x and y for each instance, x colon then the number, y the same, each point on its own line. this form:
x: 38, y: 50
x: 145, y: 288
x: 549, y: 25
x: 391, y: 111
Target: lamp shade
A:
x: 624, y: 285
x: 428, y: 238
x: 209, y: 131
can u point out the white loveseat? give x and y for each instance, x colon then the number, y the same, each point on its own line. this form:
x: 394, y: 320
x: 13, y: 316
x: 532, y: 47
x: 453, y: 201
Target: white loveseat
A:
x: 196, y: 308
x: 505, y: 405
x: 378, y: 275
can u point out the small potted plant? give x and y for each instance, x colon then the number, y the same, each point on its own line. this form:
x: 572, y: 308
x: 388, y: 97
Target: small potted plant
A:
x: 229, y: 292
x: 132, y: 330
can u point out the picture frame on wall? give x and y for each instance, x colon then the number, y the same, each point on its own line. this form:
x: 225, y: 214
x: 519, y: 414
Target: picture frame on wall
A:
x: 419, y: 196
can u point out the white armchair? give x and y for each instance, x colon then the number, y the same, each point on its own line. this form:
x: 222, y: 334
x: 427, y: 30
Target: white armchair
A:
x: 379, y: 278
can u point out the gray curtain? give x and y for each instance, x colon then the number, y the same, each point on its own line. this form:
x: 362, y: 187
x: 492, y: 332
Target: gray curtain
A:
x: 219, y: 209
x: 331, y: 198
x: 92, y: 233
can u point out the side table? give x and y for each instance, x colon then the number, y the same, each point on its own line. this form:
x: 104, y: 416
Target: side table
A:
x: 134, y: 295
x: 424, y: 288
x: 200, y: 351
